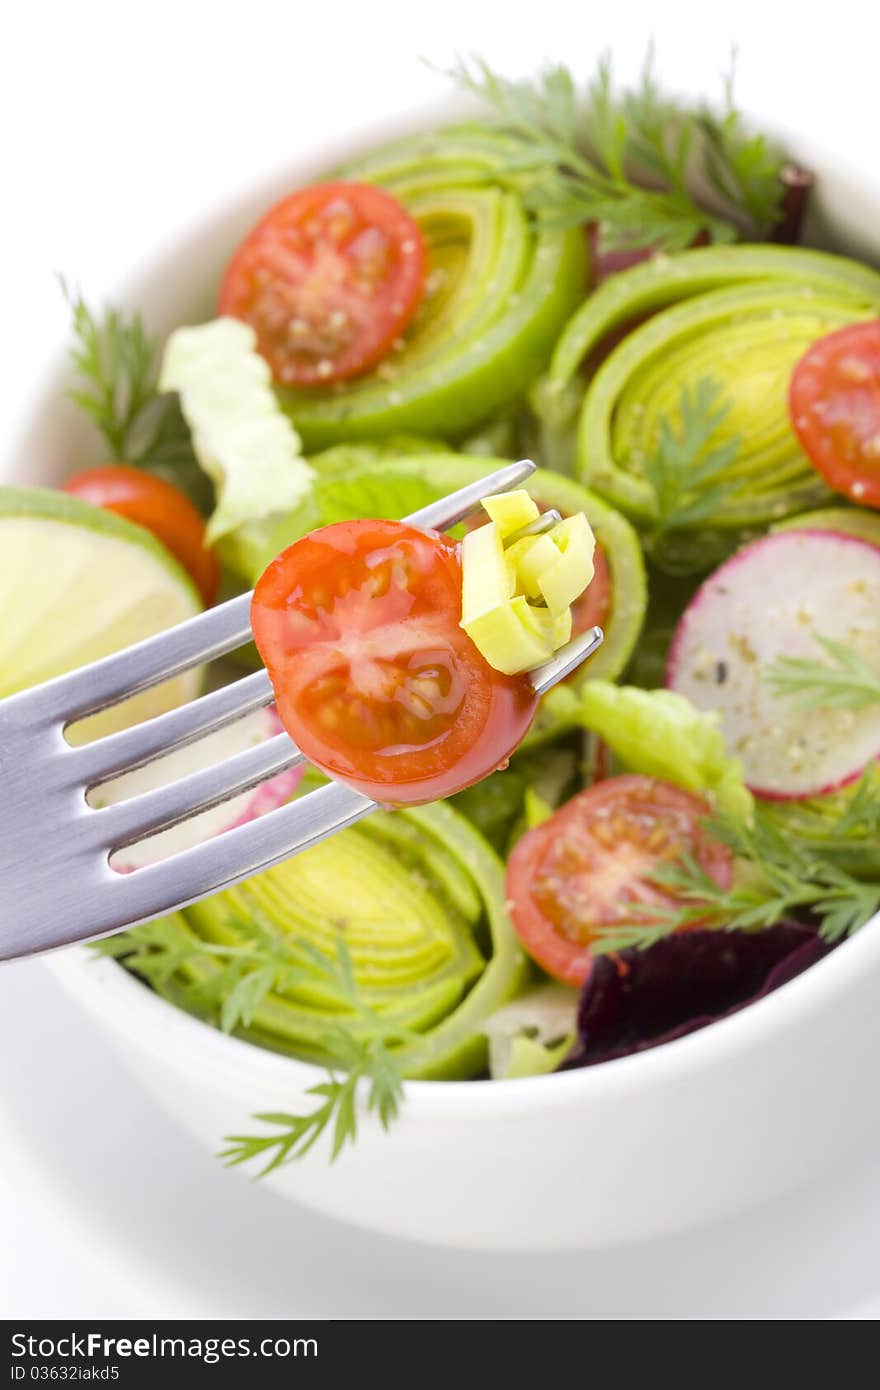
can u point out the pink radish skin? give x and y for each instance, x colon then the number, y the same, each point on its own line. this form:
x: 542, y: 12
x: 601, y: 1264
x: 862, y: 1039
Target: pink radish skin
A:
x: 767, y: 602
x: 253, y: 729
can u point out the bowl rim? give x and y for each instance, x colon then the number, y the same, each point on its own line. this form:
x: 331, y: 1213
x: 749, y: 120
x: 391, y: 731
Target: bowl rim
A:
x: 136, y: 1008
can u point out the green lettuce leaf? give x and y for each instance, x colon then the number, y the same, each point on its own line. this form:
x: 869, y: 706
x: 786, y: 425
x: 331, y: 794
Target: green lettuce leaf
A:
x: 658, y: 734
x: 382, y: 496
x: 241, y: 438
x: 528, y: 1057
x: 502, y: 807
x: 533, y: 1033
x: 386, y: 496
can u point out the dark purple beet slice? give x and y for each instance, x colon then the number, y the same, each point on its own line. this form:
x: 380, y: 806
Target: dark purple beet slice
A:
x: 634, y: 1000
x: 604, y: 263
x: 607, y: 261
x: 798, y: 184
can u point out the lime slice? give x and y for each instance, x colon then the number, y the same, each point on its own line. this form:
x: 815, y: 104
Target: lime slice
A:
x: 77, y: 583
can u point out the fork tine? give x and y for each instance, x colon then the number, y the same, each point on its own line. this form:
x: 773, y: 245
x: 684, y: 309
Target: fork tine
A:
x: 227, y: 859
x: 219, y: 630
x: 449, y: 511
x: 246, y: 849
x: 93, y: 763
x: 541, y: 524
x: 566, y: 660
x: 134, y: 819
x: 91, y: 900
x: 113, y: 827
x: 133, y: 669
x: 218, y: 863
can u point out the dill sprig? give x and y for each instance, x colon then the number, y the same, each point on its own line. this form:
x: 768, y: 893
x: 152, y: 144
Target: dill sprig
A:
x: 776, y: 879
x: 365, y: 1057
x: 367, y: 1060
x: 243, y: 972
x: 686, y: 469
x: 850, y: 683
x: 631, y: 162
x: 360, y: 1043
x: 861, y: 816
x: 117, y: 362
x: 744, y: 169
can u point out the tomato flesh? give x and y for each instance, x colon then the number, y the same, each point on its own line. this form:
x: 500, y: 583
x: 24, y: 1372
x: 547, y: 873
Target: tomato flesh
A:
x: 159, y: 507
x: 593, y: 864
x: 358, y: 625
x: 834, y: 401
x: 329, y: 279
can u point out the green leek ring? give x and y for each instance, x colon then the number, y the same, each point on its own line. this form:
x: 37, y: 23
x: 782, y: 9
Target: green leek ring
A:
x: 743, y: 315
x: 420, y: 899
x: 502, y: 291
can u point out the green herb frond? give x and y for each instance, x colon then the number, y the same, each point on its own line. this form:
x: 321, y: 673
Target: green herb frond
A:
x: 688, y: 466
x: 861, y: 815
x: 228, y: 982
x: 630, y: 162
x: 116, y: 361
x: 369, y: 1060
x: 742, y: 167
x: 848, y: 683
x: 777, y: 879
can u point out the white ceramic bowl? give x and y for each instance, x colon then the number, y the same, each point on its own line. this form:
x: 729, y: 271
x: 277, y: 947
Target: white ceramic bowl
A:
x: 647, y: 1145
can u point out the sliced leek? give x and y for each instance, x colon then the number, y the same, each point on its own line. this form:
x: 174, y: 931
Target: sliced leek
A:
x: 511, y: 510
x: 419, y: 899
x: 516, y: 601
x: 742, y: 315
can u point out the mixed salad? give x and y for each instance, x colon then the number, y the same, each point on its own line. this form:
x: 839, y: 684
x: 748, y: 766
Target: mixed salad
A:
x: 614, y: 285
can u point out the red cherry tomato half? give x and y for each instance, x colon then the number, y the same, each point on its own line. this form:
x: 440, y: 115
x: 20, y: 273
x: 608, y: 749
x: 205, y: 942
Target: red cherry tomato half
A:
x: 328, y: 280
x: 358, y: 625
x: 834, y: 401
x: 590, y: 866
x: 159, y: 507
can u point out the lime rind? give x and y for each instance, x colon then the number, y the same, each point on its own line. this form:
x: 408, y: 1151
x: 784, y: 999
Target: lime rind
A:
x: 77, y: 583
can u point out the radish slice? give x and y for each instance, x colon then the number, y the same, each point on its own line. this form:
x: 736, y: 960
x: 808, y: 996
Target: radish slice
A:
x: 767, y: 602
x: 205, y: 752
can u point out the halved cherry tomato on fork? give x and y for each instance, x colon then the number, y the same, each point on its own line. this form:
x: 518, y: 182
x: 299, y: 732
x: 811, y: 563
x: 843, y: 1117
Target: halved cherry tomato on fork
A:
x: 834, y: 401
x: 358, y: 624
x: 328, y: 279
x: 159, y: 507
x: 591, y: 866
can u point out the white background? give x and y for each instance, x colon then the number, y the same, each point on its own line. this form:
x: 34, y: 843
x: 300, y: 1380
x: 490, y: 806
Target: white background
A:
x: 122, y: 121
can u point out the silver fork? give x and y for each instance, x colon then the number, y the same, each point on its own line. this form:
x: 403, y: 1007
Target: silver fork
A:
x: 56, y: 882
